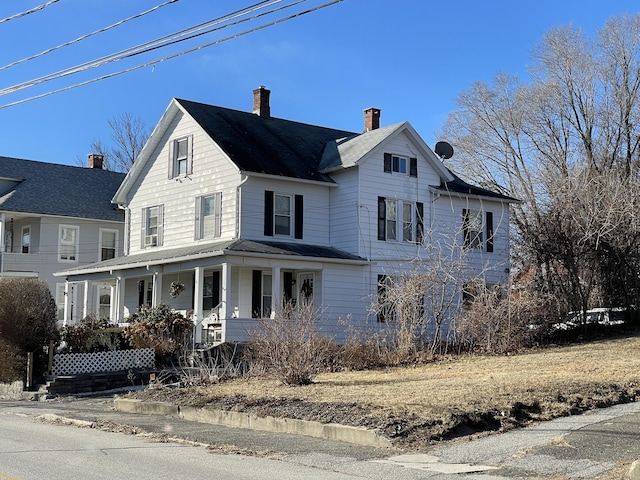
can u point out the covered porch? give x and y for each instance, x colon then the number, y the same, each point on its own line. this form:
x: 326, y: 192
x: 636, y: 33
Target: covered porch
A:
x: 224, y: 288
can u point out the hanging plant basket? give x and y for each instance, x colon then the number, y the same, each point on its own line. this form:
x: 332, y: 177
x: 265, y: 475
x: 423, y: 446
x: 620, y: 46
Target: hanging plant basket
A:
x: 176, y: 289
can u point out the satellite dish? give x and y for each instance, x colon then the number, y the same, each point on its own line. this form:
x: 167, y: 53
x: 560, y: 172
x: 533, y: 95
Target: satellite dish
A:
x: 444, y: 150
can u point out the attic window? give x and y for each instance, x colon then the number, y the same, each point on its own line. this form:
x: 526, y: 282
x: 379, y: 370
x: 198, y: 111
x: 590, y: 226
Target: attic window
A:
x: 180, y: 157
x: 400, y: 164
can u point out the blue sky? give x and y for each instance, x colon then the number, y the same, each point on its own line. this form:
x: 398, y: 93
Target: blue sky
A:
x: 410, y: 58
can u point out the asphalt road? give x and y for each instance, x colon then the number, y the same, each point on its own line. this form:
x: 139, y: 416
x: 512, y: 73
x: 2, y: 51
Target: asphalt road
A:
x: 579, y: 447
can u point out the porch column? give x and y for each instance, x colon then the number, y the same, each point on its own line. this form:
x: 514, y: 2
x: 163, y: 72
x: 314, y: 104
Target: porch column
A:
x: 119, y: 299
x: 225, y: 287
x: 156, y: 297
x: 276, y: 294
x: 198, y: 315
x: 85, y: 303
x: 113, y: 306
x: 67, y: 303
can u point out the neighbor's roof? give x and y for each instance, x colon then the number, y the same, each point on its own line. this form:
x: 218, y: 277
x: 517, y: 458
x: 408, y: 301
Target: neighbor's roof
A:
x: 44, y: 188
x: 268, y: 145
x: 227, y: 247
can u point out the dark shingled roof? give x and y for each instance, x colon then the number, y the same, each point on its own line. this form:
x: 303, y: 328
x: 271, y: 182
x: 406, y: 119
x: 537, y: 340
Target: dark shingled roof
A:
x: 457, y: 185
x: 271, y: 146
x: 224, y: 247
x: 62, y: 190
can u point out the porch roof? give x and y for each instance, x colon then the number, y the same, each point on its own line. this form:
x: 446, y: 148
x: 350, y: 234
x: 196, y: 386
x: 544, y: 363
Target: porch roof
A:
x: 252, y: 248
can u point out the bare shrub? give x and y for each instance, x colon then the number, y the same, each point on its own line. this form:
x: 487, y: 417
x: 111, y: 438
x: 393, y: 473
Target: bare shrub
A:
x: 290, y: 346
x: 160, y: 328
x: 495, y: 322
x: 205, y: 367
x: 27, y: 323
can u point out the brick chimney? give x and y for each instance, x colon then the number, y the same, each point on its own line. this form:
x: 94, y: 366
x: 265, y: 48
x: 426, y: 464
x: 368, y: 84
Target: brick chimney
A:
x: 95, y: 160
x: 371, y: 119
x: 261, y: 102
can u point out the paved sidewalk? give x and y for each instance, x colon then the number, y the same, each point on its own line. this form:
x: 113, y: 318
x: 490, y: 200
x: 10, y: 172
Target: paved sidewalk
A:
x: 586, y: 446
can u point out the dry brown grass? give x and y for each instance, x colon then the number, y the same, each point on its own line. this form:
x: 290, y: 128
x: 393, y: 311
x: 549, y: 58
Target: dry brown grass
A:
x: 468, y: 382
x: 450, y: 397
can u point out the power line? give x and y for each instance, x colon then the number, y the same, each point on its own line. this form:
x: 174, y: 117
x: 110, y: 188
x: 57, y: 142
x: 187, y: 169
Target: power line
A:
x: 28, y: 12
x: 170, y: 57
x: 148, y: 46
x: 83, y: 37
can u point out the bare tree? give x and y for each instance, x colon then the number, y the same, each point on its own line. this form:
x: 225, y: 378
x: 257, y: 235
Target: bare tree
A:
x: 128, y: 135
x: 567, y: 144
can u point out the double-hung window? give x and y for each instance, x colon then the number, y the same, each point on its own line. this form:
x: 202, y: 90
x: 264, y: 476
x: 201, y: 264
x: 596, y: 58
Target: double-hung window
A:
x: 208, y: 216
x: 180, y: 161
x: 283, y: 214
x: 108, y: 243
x: 477, y: 230
x: 26, y: 239
x: 68, y: 243
x: 391, y: 212
x: 152, y: 226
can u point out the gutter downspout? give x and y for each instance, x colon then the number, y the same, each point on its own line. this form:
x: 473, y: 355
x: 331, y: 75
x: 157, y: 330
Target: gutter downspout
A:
x: 238, y: 206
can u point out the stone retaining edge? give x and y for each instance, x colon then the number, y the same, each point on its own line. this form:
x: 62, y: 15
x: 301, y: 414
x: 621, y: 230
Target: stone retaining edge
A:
x: 332, y: 431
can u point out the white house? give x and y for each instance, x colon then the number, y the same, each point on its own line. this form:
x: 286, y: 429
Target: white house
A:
x: 54, y: 217
x: 247, y: 211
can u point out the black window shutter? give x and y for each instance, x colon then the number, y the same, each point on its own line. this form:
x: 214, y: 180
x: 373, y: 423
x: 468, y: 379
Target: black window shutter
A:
x: 268, y: 213
x: 490, y: 232
x: 413, y: 167
x: 465, y: 228
x: 299, y: 214
x: 382, y: 219
x: 387, y: 163
x: 419, y: 222
x: 256, y: 294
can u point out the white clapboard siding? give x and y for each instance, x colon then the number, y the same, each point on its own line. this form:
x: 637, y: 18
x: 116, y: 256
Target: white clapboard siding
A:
x: 212, y: 173
x: 315, y: 202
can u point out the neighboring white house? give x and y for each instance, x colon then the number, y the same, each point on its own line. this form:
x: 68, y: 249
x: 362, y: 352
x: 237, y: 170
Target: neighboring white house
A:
x: 54, y: 217
x: 247, y: 211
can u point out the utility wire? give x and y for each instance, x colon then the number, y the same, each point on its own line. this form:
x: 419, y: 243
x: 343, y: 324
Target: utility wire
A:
x: 83, y: 37
x: 170, y: 57
x: 145, y: 47
x: 33, y: 10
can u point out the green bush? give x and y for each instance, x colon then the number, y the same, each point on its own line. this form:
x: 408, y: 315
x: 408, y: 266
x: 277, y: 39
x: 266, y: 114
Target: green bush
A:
x: 27, y: 323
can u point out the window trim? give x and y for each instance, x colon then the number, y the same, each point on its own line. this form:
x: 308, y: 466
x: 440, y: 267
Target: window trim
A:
x: 200, y: 233
x: 144, y: 232
x: 76, y: 243
x: 174, y: 161
x: 101, y: 241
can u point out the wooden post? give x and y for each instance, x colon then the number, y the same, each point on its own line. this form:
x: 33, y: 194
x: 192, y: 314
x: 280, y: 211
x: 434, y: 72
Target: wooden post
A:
x: 51, y: 351
x: 29, y: 370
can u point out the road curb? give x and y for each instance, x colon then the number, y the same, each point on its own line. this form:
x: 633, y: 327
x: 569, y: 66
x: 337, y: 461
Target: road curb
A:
x: 332, y: 431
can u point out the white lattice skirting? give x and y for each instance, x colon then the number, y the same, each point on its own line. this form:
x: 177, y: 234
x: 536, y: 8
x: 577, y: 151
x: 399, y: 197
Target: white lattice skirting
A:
x: 77, y: 363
